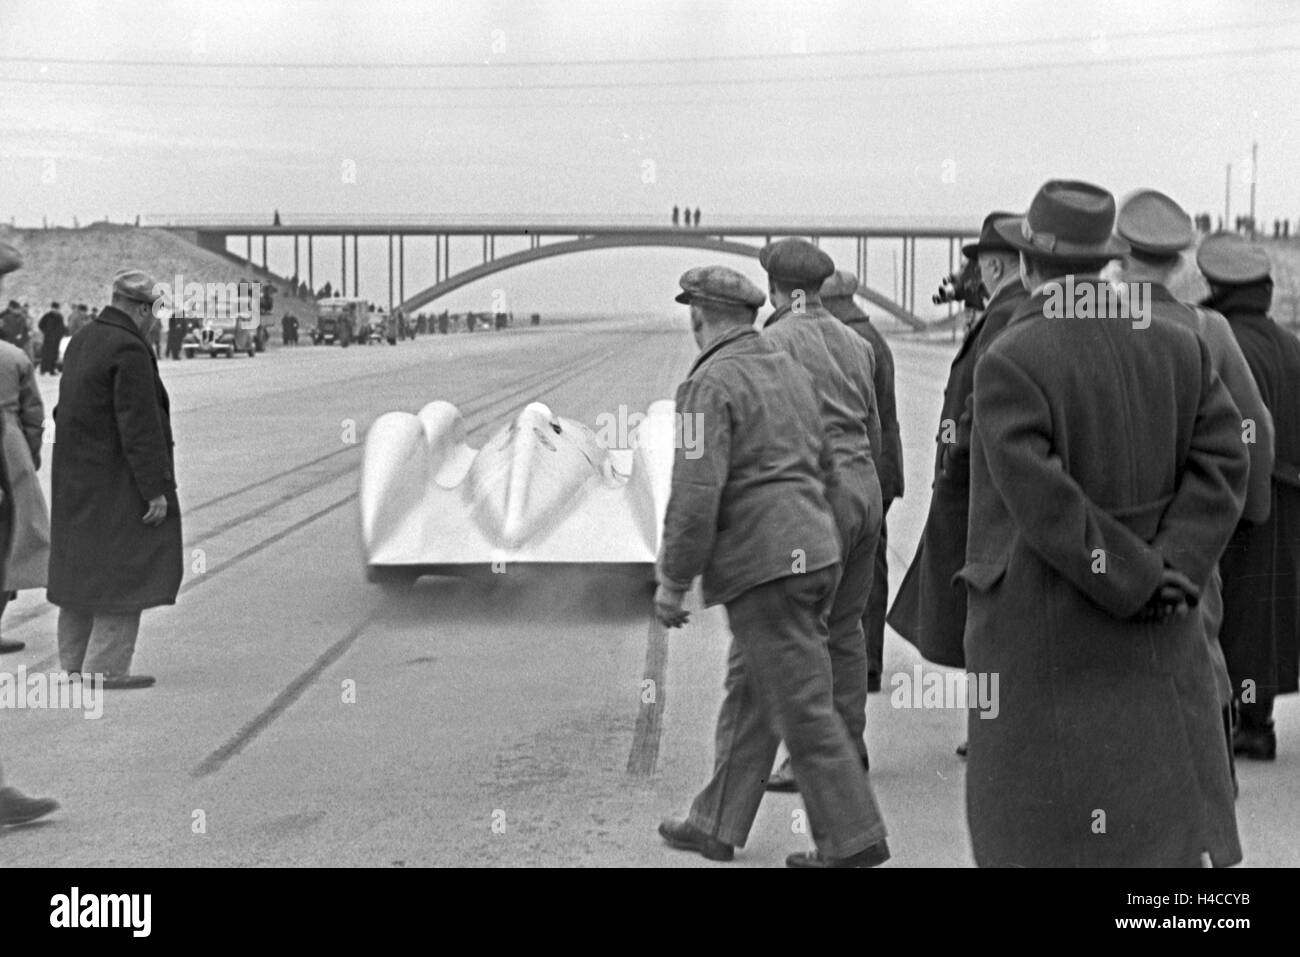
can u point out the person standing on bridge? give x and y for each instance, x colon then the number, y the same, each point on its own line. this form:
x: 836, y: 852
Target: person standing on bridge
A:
x: 750, y: 514
x: 930, y: 610
x: 697, y: 217
x: 116, y: 525
x: 842, y: 367
x: 676, y: 215
x: 838, y: 297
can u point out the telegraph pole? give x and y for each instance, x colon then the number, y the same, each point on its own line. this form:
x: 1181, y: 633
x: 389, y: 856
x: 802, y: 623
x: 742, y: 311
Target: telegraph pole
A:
x: 1254, y: 153
x: 1227, y: 199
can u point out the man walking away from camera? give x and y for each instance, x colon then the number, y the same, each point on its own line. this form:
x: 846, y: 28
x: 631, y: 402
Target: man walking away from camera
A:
x: 739, y: 514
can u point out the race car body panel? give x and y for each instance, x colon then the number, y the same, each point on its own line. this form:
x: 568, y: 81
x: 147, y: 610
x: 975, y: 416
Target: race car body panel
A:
x: 543, y: 489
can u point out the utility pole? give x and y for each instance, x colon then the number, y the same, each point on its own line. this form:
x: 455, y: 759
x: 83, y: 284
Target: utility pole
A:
x: 1254, y: 154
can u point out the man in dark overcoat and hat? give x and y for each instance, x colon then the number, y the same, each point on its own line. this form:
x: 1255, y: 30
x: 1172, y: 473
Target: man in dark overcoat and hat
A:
x: 930, y: 608
x: 1261, y: 567
x: 115, y: 545
x: 1107, y: 475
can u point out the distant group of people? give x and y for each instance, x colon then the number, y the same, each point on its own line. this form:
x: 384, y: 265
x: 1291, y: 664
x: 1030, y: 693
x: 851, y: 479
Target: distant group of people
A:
x: 1113, y: 539
x: 686, y: 217
x: 42, y: 341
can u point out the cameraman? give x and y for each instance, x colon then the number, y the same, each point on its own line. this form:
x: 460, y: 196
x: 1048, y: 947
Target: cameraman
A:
x: 929, y: 610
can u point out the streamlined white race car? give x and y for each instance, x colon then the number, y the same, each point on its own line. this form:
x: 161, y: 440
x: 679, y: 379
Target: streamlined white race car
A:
x: 543, y: 489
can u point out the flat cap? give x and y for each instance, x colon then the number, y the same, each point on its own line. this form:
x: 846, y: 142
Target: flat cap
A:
x: 1154, y: 224
x: 796, y: 260
x: 842, y: 285
x: 1231, y: 260
x: 136, y: 284
x: 10, y: 258
x: 721, y: 285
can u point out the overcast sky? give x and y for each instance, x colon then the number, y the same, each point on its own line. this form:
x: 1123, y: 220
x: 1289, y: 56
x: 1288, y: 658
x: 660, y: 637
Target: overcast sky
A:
x: 851, y: 108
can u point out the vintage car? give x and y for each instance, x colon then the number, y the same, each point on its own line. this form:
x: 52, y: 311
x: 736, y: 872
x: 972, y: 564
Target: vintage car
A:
x: 222, y: 329
x: 543, y: 489
x: 341, y: 320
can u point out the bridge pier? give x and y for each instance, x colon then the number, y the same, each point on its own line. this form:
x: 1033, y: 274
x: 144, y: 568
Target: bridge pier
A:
x: 311, y: 281
x: 343, y: 261
x: 356, y: 272
x: 401, y: 268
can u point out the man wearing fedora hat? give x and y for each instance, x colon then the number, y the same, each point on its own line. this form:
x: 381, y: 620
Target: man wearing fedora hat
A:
x: 930, y: 609
x: 1261, y: 566
x: 838, y: 294
x: 1158, y: 231
x: 750, y: 515
x: 16, y: 807
x: 115, y: 529
x: 842, y: 367
x: 1107, y: 474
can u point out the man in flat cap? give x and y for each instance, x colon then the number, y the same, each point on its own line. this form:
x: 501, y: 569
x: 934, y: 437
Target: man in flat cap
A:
x: 1157, y: 231
x: 1261, y: 566
x: 930, y: 608
x: 116, y: 526
x: 751, y: 516
x: 838, y: 297
x: 1107, y: 474
x: 16, y: 807
x: 842, y: 366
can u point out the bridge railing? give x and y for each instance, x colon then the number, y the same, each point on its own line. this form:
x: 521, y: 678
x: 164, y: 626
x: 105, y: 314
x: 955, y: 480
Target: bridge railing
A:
x: 575, y: 222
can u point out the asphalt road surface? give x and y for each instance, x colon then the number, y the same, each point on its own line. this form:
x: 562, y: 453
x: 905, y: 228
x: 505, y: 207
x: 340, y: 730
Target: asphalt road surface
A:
x: 305, y: 717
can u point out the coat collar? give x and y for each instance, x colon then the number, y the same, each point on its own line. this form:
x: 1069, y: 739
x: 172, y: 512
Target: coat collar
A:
x: 1004, y: 292
x: 116, y: 317
x: 724, y: 340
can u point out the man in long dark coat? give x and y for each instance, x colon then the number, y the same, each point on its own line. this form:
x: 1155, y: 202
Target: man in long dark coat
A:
x: 1107, y: 475
x: 16, y: 807
x: 1261, y: 567
x: 837, y: 296
x: 116, y: 526
x: 930, y: 608
x: 53, y: 329
x: 1157, y: 231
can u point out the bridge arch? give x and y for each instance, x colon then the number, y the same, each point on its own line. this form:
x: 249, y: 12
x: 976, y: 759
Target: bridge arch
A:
x: 686, y: 240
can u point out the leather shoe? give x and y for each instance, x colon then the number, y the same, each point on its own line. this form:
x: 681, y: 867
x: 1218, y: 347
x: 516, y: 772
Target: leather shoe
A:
x: 687, y: 837
x: 782, y: 779
x: 127, y: 682
x: 1258, y: 743
x: 961, y: 750
x: 17, y: 808
x: 873, y: 856
x: 7, y: 646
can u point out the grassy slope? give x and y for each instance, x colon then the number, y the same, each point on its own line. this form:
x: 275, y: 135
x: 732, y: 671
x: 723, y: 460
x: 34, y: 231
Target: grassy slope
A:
x: 78, y: 265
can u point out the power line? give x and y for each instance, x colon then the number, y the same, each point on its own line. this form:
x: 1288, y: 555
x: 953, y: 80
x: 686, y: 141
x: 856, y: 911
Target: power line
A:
x: 650, y: 61
x: 977, y: 70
